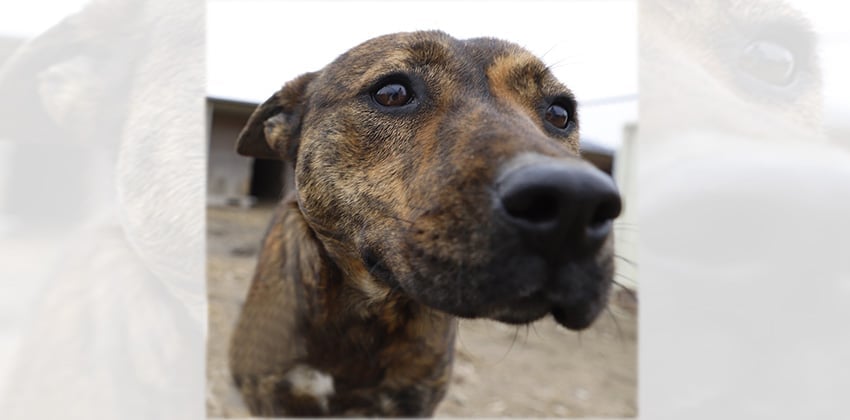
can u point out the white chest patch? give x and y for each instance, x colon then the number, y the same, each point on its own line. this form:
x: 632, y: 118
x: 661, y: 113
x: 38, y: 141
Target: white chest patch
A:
x: 306, y: 381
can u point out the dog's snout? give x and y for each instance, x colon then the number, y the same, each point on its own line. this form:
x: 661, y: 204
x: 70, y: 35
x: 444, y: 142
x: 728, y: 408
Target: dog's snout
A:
x: 559, y: 206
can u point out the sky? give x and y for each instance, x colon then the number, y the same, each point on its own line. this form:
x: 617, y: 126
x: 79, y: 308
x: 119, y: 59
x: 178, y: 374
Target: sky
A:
x: 289, y: 38
x: 254, y: 47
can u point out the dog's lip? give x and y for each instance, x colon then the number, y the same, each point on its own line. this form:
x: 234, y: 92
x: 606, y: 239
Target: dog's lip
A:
x: 525, y: 288
x: 573, y: 308
x: 522, y: 310
x: 575, y: 317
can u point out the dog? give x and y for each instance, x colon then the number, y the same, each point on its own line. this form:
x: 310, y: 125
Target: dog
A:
x: 435, y: 178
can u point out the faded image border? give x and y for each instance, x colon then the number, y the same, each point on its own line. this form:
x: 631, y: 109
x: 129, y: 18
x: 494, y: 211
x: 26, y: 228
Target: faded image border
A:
x: 743, y: 196
x: 102, y: 215
x: 742, y: 204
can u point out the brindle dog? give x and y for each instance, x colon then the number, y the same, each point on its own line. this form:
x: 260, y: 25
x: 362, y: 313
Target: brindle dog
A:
x: 435, y: 178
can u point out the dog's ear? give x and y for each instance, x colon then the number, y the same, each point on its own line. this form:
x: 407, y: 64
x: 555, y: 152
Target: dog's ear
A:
x: 272, y: 130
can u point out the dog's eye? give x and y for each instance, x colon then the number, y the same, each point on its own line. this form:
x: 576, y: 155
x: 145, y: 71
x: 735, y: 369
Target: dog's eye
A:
x: 557, y: 116
x: 769, y: 62
x: 392, y: 94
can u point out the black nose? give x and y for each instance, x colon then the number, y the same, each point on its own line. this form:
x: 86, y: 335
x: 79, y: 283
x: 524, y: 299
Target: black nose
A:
x: 560, y: 207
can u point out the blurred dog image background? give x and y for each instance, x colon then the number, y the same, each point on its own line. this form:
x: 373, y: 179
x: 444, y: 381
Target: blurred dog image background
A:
x: 102, y: 215
x: 743, y: 200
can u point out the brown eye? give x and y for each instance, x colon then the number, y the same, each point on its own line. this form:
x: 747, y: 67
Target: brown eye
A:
x: 557, y: 116
x: 392, y: 94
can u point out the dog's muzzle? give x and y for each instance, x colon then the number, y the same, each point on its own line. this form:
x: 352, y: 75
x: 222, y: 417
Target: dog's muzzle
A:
x: 561, y: 214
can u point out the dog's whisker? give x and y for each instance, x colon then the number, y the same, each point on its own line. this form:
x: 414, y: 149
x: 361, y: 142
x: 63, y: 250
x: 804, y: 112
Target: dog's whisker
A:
x: 534, y: 328
x: 627, y: 290
x: 616, y: 324
x: 511, y: 347
x: 626, y: 226
x: 623, y: 276
x: 626, y: 260
x: 625, y: 229
x: 548, y: 68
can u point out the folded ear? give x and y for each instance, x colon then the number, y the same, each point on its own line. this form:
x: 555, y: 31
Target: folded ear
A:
x: 273, y: 129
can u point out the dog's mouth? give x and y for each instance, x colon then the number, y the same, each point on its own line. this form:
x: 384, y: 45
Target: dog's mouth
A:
x: 574, y: 298
x: 519, y: 291
x: 577, y: 316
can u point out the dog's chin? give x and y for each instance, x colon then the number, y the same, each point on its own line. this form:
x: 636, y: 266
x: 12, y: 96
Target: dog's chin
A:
x: 520, y: 291
x: 521, y: 311
x: 574, y: 294
x: 577, y: 317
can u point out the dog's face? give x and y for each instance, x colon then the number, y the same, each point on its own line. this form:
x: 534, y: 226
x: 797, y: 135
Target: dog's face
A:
x: 448, y: 170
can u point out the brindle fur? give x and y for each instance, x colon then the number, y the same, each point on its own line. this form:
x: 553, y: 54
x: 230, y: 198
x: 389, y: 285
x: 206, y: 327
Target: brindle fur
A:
x: 389, y: 234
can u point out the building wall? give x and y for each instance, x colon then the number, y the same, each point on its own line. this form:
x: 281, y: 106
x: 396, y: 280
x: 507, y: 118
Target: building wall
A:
x: 233, y: 179
x: 228, y: 174
x: 625, y: 227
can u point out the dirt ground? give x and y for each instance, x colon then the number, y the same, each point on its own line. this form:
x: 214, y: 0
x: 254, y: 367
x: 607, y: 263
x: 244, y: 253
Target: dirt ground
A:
x: 538, y: 371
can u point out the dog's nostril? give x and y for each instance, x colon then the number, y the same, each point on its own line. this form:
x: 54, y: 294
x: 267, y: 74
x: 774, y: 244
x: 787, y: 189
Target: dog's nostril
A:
x: 533, y: 205
x: 607, y: 210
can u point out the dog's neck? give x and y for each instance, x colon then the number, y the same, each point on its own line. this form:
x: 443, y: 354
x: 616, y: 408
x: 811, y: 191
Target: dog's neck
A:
x: 369, y: 339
